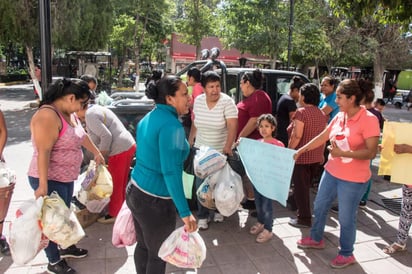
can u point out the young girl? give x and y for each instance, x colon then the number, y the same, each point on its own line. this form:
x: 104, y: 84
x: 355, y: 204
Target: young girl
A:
x: 264, y: 209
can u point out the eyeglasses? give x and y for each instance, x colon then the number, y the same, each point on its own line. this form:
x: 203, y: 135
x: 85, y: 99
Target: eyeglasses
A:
x: 84, y: 104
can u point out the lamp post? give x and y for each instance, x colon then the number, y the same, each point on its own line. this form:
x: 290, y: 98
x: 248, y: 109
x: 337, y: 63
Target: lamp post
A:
x: 292, y: 3
x: 45, y: 44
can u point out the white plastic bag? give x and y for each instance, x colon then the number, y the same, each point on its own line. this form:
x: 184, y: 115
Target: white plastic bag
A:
x: 124, y: 233
x: 7, y: 176
x: 26, y: 239
x: 97, y: 206
x: 208, y: 161
x: 60, y: 224
x: 183, y: 249
x: 228, y: 191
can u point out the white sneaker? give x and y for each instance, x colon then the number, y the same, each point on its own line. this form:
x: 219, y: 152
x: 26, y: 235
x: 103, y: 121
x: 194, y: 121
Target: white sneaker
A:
x: 202, y: 224
x: 218, y: 218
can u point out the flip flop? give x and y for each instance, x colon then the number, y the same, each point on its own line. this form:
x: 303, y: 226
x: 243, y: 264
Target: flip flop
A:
x: 394, y: 248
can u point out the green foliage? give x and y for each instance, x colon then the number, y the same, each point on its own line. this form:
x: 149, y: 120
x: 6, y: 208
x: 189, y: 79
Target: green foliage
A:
x: 383, y: 11
x: 197, y: 21
x: 256, y: 26
x: 81, y: 24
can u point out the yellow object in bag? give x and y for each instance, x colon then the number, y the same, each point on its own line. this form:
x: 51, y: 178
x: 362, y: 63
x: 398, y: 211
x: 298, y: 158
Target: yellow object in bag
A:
x: 103, y: 187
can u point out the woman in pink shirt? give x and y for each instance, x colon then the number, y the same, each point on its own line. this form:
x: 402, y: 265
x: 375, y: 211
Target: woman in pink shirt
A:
x: 346, y: 171
x: 57, y: 137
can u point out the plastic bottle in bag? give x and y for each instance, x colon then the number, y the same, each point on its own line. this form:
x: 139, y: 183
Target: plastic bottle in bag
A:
x: 342, y: 142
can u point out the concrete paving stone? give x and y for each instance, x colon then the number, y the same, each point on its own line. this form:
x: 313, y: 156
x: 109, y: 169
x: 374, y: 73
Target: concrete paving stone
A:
x: 258, y: 250
x: 365, y: 252
x: 276, y: 264
x: 211, y: 235
x: 384, y: 267
x: 87, y: 265
x: 228, y: 254
x: 308, y: 262
x: 239, y: 267
x: 365, y: 234
x: 402, y: 261
x: 120, y: 265
x: 386, y: 229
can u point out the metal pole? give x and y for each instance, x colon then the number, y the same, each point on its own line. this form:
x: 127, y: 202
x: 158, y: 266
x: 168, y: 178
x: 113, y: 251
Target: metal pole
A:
x: 45, y: 44
x: 292, y: 4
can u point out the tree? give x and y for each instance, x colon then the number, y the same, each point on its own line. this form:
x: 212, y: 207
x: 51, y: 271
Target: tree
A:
x: 255, y: 26
x: 197, y: 21
x: 76, y: 25
x: 150, y: 23
x: 379, y: 23
x: 81, y: 24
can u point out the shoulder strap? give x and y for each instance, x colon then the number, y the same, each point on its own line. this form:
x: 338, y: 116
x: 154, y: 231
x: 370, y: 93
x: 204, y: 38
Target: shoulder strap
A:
x: 64, y: 123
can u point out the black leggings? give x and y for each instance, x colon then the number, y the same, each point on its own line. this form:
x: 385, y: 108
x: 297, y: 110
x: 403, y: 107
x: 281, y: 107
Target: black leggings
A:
x: 154, y: 219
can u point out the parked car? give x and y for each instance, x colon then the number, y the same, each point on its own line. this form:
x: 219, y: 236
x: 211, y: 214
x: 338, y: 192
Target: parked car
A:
x: 131, y: 111
x: 275, y: 84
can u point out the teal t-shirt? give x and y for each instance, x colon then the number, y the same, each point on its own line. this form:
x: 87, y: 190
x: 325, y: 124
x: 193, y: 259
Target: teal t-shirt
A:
x: 330, y: 101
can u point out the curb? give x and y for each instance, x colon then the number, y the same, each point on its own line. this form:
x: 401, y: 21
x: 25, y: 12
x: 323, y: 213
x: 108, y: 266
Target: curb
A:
x: 15, y: 83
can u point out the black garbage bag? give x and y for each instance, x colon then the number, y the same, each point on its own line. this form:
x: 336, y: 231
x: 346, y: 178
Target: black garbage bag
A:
x: 235, y: 163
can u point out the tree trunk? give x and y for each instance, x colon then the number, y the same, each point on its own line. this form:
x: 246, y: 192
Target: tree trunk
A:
x: 30, y: 59
x: 198, y: 51
x: 377, y: 74
x: 138, y: 44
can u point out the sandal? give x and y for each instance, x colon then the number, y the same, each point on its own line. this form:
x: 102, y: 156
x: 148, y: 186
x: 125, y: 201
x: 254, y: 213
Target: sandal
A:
x: 256, y: 229
x: 394, y: 248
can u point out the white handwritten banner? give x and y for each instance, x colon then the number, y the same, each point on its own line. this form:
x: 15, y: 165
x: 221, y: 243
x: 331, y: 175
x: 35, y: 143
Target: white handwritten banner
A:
x: 269, y: 167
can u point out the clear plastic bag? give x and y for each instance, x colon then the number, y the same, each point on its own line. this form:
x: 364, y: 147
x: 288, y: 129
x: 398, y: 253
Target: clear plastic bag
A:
x: 205, y: 194
x: 26, y: 238
x: 60, y: 224
x: 183, y: 249
x: 90, y: 176
x: 103, y: 186
x: 124, y: 233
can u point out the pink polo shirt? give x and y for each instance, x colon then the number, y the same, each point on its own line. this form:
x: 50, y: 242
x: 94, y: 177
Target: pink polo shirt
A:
x: 357, y: 129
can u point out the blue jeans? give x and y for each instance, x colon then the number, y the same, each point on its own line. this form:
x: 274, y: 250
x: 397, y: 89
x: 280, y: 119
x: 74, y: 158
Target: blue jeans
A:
x: 65, y: 191
x: 264, y: 210
x: 349, y: 195
x: 154, y: 220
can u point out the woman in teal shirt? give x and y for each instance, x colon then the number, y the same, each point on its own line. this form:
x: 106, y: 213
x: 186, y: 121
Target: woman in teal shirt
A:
x: 156, y: 188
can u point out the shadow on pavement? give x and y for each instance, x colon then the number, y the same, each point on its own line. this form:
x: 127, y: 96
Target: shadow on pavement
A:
x: 18, y: 125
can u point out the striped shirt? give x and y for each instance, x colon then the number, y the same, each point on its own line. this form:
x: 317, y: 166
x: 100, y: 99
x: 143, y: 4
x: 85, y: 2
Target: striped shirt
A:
x: 211, y: 123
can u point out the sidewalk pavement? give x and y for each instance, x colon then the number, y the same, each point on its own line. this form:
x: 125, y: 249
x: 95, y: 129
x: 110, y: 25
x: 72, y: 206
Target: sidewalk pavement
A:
x: 236, y: 250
